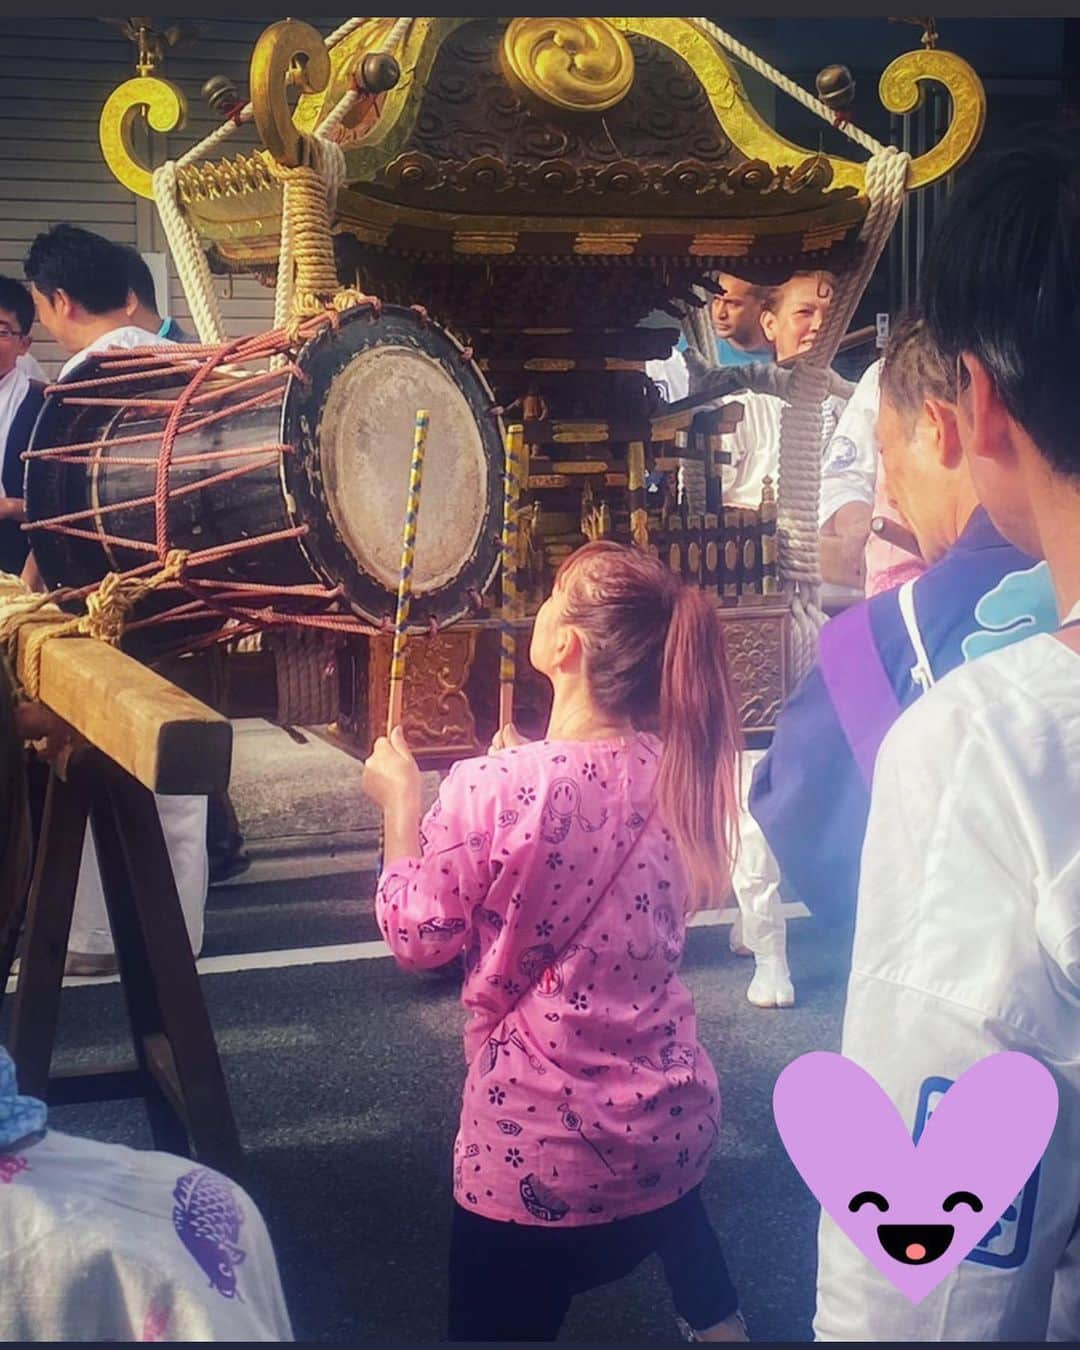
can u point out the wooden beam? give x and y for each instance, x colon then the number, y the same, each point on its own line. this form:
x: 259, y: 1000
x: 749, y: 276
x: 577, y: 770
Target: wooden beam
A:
x: 167, y: 740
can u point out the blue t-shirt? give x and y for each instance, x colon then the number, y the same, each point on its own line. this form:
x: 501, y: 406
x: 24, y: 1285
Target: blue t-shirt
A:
x: 728, y: 355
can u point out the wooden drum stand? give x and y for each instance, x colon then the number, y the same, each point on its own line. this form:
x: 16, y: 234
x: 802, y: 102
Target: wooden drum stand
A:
x: 142, y: 736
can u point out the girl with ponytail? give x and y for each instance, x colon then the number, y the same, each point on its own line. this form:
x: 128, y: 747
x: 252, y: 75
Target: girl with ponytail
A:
x: 564, y: 870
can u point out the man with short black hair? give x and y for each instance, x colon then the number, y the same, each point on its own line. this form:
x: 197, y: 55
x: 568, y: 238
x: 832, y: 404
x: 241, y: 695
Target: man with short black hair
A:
x: 142, y: 302
x: 81, y: 284
x: 736, y: 321
x: 967, y: 938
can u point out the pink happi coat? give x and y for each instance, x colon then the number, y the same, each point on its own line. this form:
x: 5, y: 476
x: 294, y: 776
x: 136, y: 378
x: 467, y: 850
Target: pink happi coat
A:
x: 588, y: 1097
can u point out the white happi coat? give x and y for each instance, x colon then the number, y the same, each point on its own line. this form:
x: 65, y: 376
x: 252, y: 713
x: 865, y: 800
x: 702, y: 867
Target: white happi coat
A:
x: 103, y: 1243
x: 968, y: 943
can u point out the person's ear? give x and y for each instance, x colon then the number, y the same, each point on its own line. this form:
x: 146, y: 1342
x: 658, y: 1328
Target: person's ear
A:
x: 767, y: 319
x: 567, y: 648
x: 944, y: 435
x: 132, y: 304
x: 62, y: 303
x: 981, y: 411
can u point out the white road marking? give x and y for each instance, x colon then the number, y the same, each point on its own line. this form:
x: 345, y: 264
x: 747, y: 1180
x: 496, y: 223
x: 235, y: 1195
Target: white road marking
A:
x: 355, y: 951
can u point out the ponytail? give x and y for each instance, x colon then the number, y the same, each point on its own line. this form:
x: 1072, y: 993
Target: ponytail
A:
x: 697, y: 790
x: 655, y: 655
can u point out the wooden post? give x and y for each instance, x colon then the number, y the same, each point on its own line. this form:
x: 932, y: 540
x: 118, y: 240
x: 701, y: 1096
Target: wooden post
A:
x: 639, y: 516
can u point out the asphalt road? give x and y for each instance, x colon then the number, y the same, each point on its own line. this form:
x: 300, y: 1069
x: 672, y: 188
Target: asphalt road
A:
x: 345, y: 1078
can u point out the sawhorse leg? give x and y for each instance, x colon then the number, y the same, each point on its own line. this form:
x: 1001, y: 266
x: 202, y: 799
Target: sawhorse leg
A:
x: 177, y: 1071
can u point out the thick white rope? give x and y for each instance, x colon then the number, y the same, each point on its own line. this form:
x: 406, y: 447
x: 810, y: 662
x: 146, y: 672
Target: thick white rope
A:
x: 188, y: 255
x: 799, y: 489
x: 801, y: 418
x: 796, y: 91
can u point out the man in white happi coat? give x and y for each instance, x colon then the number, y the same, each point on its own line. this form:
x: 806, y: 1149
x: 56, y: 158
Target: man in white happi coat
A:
x: 967, y: 939
x: 80, y: 285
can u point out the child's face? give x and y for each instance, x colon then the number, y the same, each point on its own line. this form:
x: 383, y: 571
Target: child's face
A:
x: 13, y: 342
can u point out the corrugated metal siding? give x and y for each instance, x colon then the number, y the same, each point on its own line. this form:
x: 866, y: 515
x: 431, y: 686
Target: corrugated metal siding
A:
x: 60, y: 72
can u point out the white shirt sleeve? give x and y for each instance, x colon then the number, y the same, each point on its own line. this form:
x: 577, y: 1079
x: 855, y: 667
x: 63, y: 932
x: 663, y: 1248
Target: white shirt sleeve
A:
x: 671, y: 377
x: 32, y: 368
x: 953, y: 962
x: 850, y: 463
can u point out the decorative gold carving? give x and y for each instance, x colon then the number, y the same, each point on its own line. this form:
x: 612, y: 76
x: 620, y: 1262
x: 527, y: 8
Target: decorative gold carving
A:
x: 436, y: 716
x: 485, y: 241
x: 225, y: 178
x: 901, y: 92
x: 577, y: 65
x: 757, y: 660
x: 620, y: 244
x: 345, y: 58
x: 165, y: 109
x: 287, y: 53
x: 735, y: 244
x: 550, y: 363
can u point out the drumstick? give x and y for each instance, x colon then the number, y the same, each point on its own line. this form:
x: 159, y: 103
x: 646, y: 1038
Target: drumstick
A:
x: 404, y: 592
x: 515, y: 436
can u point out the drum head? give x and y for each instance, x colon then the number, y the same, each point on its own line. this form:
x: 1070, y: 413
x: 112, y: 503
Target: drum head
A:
x: 352, y: 428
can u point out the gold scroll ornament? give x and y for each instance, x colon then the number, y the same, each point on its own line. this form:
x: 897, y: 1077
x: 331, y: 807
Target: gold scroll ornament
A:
x: 165, y: 109
x: 288, y: 54
x: 577, y: 65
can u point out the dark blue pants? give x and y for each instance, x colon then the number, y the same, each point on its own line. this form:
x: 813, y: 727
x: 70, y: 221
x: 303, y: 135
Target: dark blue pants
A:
x: 515, y: 1282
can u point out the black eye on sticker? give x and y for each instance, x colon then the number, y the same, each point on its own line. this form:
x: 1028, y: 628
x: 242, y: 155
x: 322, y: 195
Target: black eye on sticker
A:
x: 868, y: 1198
x: 962, y: 1198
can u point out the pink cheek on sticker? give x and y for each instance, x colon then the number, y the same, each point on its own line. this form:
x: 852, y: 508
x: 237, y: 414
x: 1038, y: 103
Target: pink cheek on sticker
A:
x: 915, y: 1251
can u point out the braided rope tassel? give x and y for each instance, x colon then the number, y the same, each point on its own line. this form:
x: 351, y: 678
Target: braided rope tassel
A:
x: 107, y: 610
x: 408, y: 558
x: 799, y: 494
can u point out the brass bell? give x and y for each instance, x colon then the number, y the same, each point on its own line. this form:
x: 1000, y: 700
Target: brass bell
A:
x: 836, y: 87
x: 378, y: 72
x: 221, y: 93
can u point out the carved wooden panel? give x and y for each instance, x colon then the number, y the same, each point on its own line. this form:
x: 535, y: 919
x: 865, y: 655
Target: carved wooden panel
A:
x: 756, y: 644
x: 437, y: 717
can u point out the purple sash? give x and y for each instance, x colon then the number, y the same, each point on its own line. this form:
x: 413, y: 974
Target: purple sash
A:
x: 862, y: 694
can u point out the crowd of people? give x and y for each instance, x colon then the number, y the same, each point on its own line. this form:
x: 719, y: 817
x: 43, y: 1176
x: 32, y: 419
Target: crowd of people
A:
x: 922, y: 791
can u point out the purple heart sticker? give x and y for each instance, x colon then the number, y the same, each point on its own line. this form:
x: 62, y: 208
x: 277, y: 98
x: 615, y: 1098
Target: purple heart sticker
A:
x: 915, y: 1210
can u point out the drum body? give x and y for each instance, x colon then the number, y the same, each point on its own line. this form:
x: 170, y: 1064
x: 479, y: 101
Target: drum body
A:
x: 328, y: 448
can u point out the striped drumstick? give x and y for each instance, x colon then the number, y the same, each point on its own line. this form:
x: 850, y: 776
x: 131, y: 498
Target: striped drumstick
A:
x: 408, y: 555
x: 512, y: 476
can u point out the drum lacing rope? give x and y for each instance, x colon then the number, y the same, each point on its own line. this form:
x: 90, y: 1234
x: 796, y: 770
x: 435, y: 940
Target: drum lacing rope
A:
x: 251, y: 607
x: 799, y: 486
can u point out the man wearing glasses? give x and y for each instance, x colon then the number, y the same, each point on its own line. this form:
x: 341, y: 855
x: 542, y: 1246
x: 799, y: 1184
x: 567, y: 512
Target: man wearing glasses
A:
x: 20, y: 400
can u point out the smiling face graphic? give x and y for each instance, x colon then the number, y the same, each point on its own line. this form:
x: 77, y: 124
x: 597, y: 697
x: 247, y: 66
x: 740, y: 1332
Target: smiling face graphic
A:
x: 915, y: 1244
x: 915, y: 1207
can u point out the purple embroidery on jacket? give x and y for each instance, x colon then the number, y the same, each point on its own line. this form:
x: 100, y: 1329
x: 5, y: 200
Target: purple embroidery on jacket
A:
x: 541, y: 1201
x: 207, y: 1220
x: 561, y: 809
x: 433, y: 930
x: 10, y: 1169
x: 542, y: 970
